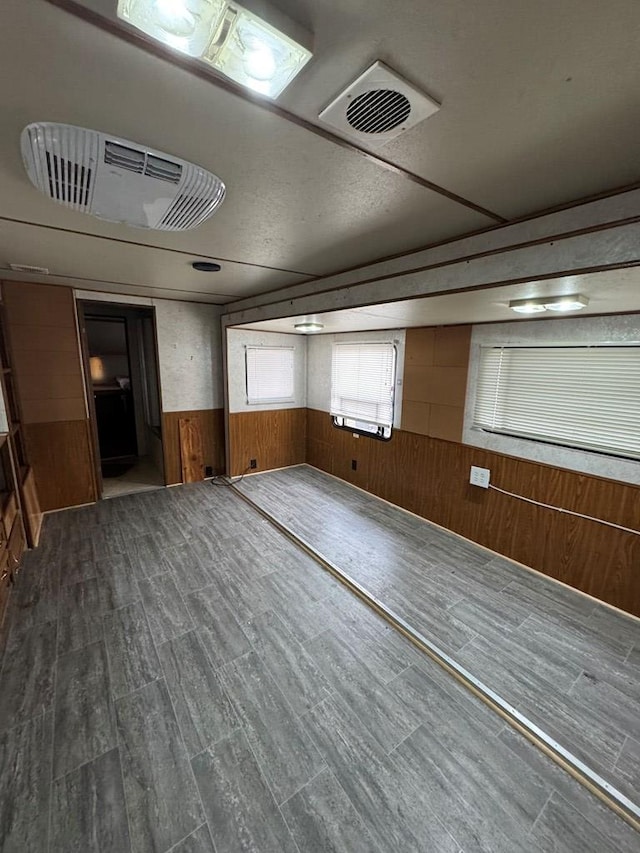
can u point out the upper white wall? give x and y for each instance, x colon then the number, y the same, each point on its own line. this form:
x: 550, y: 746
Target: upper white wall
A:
x: 319, y: 371
x: 190, y: 355
x: 237, y: 342
x: 576, y: 331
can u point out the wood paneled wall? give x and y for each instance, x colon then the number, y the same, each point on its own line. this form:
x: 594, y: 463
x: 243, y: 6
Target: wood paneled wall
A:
x: 435, y: 381
x: 430, y: 477
x: 275, y: 439
x: 60, y: 455
x: 41, y: 323
x: 211, y: 425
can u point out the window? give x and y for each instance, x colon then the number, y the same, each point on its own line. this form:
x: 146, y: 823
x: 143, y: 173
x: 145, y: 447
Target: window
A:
x: 362, y: 387
x: 269, y: 375
x: 586, y: 397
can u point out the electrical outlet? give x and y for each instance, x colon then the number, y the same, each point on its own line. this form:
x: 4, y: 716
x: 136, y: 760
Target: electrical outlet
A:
x: 354, y: 464
x: 479, y: 477
x: 253, y: 463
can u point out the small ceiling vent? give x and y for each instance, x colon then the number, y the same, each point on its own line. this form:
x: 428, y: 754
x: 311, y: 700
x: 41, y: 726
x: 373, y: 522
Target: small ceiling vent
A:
x: 28, y: 268
x: 117, y: 180
x: 378, y: 106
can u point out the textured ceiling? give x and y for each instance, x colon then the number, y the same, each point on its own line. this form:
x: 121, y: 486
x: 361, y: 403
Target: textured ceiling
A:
x: 610, y: 292
x: 538, y: 108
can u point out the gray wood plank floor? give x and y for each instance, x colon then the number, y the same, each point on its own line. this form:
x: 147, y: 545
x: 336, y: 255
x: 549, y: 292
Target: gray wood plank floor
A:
x: 177, y: 676
x: 567, y: 662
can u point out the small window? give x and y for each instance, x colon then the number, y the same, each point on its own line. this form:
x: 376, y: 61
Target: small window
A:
x: 270, y: 375
x: 586, y: 397
x: 363, y: 387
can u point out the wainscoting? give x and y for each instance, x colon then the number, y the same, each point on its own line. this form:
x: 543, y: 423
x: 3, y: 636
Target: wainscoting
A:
x: 274, y: 439
x: 60, y: 455
x: 430, y: 477
x: 211, y: 423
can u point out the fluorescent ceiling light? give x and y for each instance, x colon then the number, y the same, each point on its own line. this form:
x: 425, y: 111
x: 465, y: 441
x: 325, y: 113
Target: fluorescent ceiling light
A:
x: 527, y: 306
x: 574, y: 302
x: 566, y: 303
x: 308, y: 327
x: 227, y: 36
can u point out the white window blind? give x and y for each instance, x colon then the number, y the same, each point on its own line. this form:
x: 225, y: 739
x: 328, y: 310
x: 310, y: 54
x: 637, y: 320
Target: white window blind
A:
x: 363, y: 382
x: 586, y: 396
x: 270, y: 375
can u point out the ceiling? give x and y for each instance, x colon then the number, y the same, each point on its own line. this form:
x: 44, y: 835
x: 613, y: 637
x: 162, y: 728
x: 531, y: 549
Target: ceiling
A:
x: 536, y: 106
x: 615, y: 291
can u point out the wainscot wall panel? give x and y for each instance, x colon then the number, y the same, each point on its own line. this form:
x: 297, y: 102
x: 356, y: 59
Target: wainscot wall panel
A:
x: 47, y: 367
x: 435, y: 381
x: 274, y: 438
x: 430, y: 477
x: 59, y: 453
x: 210, y: 424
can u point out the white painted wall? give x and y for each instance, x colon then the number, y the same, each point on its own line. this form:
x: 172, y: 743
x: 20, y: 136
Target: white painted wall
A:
x: 578, y: 330
x: 190, y: 355
x: 237, y: 342
x: 319, y: 370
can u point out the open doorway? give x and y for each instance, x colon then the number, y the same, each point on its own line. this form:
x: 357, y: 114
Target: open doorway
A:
x: 121, y: 368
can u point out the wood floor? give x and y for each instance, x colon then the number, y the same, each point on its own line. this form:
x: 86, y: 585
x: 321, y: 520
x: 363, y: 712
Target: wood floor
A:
x: 568, y: 663
x: 179, y: 677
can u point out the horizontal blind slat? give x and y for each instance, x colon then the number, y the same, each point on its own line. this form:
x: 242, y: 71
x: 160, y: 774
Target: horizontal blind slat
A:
x: 585, y: 397
x: 270, y: 374
x: 363, y: 382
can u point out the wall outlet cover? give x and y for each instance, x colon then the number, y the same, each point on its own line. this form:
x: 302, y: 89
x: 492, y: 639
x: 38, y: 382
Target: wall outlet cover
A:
x: 479, y: 477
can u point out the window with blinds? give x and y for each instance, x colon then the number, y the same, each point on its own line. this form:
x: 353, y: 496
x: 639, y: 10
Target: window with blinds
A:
x: 586, y: 397
x: 270, y: 375
x: 363, y: 386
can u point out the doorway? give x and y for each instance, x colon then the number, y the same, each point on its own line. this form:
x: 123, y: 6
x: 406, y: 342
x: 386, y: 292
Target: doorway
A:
x: 121, y: 368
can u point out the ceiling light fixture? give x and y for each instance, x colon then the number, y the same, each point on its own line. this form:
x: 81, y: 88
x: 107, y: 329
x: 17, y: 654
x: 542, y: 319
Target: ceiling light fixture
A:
x: 574, y: 302
x: 206, y: 266
x: 235, y: 41
x: 566, y: 303
x: 308, y: 327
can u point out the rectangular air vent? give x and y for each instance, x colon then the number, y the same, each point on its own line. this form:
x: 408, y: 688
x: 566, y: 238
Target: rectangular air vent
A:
x: 29, y: 269
x: 163, y: 170
x: 124, y: 158
x: 118, y: 180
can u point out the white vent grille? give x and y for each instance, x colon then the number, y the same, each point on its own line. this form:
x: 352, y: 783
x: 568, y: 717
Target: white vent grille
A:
x: 118, y: 180
x: 199, y: 196
x: 378, y: 106
x: 28, y: 268
x: 64, y: 168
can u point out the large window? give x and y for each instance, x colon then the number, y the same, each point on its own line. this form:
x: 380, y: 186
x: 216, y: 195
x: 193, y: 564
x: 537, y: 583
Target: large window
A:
x: 586, y: 397
x: 362, y: 387
x: 270, y: 375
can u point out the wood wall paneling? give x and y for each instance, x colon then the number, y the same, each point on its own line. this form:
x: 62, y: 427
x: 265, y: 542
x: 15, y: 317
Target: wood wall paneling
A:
x: 191, y: 453
x: 211, y: 427
x: 275, y: 439
x: 60, y: 457
x: 45, y: 356
x: 435, y: 381
x: 31, y: 507
x: 430, y: 477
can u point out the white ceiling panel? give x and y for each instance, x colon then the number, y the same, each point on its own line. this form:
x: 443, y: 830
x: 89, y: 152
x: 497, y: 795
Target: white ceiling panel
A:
x: 539, y: 106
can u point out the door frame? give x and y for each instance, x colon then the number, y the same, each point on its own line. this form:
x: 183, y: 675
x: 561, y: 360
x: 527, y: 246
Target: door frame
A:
x: 91, y: 405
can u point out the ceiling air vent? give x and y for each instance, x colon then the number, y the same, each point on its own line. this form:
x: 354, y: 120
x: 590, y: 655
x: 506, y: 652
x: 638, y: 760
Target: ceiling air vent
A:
x: 118, y: 180
x: 378, y: 106
x: 125, y: 158
x: 28, y: 268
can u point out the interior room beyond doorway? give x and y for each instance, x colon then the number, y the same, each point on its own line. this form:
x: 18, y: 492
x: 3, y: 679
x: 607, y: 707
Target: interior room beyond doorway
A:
x: 122, y: 375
